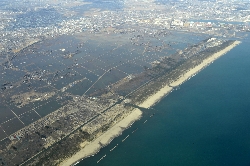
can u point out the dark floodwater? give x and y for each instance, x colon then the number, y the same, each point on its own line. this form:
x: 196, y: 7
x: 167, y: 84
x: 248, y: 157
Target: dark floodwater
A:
x: 92, y: 58
x: 205, y: 122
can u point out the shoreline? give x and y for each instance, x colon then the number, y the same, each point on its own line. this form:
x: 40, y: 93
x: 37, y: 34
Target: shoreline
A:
x: 203, y: 64
x: 186, y: 76
x: 93, y: 147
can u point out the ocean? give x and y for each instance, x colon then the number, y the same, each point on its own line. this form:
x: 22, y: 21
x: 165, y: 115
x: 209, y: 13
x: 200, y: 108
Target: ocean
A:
x: 205, y: 122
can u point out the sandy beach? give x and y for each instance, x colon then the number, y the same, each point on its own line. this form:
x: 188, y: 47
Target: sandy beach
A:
x: 190, y: 72
x: 156, y: 97
x: 206, y: 62
x: 94, y: 146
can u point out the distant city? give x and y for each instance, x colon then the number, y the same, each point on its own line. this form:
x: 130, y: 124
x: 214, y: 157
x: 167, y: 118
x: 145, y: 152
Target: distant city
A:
x: 23, y: 23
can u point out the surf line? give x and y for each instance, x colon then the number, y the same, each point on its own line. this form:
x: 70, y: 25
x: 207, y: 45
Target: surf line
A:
x: 125, y: 138
x: 101, y: 158
x: 135, y: 130
x: 113, y: 148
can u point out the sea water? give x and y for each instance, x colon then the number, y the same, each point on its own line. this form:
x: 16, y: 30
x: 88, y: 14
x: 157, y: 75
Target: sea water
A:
x: 205, y: 122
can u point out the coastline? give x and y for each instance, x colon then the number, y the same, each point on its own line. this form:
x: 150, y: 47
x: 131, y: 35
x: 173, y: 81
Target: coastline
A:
x: 92, y: 147
x: 191, y: 72
x: 203, y: 64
